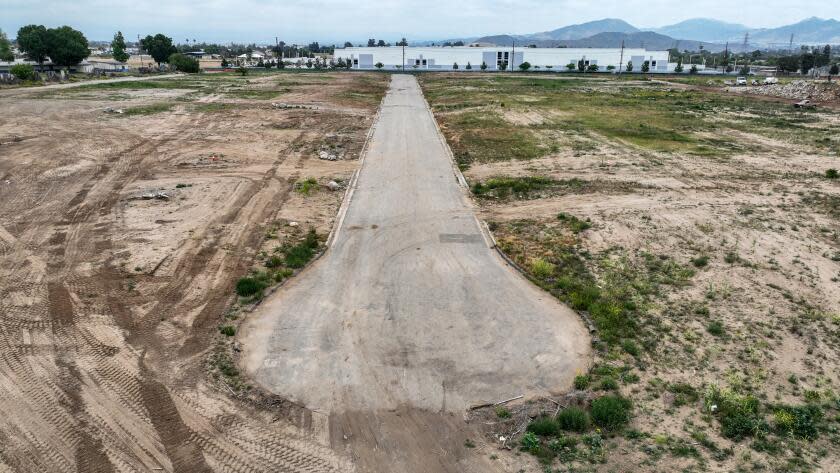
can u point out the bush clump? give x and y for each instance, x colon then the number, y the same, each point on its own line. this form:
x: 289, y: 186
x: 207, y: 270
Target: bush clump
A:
x: 23, y: 71
x: 832, y: 173
x: 573, y: 419
x: 228, y: 330
x: 798, y: 421
x: 582, y: 382
x: 739, y: 415
x: 544, y: 427
x: 183, y: 63
x: 298, y: 255
x: 611, y: 412
x: 250, y: 286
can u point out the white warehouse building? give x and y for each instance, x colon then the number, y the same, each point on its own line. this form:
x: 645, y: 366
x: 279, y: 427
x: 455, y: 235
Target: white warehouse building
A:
x: 500, y: 58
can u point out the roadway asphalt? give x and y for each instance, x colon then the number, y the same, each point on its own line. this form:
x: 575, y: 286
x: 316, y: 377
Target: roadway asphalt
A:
x: 411, y: 306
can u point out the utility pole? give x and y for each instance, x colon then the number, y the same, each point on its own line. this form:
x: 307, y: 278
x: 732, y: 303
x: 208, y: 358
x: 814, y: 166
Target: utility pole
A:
x: 746, y: 42
x: 790, y: 46
x: 403, y: 54
x: 512, y: 54
x: 621, y: 61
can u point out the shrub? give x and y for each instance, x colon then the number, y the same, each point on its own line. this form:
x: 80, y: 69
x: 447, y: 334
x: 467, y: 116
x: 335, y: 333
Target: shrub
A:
x: 183, y: 63
x: 631, y: 348
x: 305, y: 186
x: 798, y: 421
x: 502, y: 412
x: 250, y: 286
x: 715, y: 328
x: 297, y: 256
x: 832, y: 173
x: 738, y: 415
x: 228, y: 330
x: 273, y: 262
x: 530, y: 442
x: 684, y: 393
x: 611, y: 412
x: 700, y: 261
x: 608, y: 384
x: 581, y: 381
x: 23, y: 71
x: 544, y: 426
x: 541, y: 268
x: 573, y: 419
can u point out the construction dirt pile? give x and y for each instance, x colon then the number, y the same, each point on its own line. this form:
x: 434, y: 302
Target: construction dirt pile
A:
x: 798, y: 90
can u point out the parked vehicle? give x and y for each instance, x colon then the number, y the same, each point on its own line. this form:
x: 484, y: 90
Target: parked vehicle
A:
x: 741, y: 80
x: 804, y: 104
x: 771, y: 81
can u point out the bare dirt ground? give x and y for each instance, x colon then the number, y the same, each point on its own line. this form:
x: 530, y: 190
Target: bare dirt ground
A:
x: 755, y: 231
x: 110, y: 302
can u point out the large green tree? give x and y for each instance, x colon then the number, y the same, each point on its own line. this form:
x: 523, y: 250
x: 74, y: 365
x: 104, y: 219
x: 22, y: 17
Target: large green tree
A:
x: 5, y: 48
x: 159, y: 47
x: 33, y: 41
x: 118, y: 47
x: 66, y: 46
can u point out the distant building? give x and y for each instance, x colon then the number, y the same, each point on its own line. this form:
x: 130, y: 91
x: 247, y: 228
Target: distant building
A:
x: 501, y: 58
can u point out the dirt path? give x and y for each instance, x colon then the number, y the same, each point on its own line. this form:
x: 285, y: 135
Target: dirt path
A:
x: 27, y: 90
x: 411, y: 310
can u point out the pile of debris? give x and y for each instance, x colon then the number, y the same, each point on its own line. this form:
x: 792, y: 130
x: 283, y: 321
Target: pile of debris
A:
x: 799, y: 90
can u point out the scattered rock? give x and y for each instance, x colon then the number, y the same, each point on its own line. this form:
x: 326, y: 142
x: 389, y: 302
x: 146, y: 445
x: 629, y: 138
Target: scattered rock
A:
x: 114, y: 110
x: 327, y: 156
x: 293, y: 224
x: 799, y: 90
x: 333, y: 186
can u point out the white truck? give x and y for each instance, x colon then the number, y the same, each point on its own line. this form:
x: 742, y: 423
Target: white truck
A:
x: 740, y: 80
x: 771, y: 81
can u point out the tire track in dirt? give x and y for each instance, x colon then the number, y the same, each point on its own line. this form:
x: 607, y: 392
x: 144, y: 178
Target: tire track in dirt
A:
x: 97, y: 376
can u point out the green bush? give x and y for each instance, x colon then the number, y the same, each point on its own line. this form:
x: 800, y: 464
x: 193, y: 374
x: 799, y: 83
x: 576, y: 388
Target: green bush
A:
x: 544, y: 426
x: 228, y: 330
x: 306, y: 186
x: 530, y: 442
x: 541, y: 268
x: 297, y: 256
x: 582, y: 381
x: 608, y: 384
x: 611, y: 412
x: 700, y: 261
x: 573, y: 419
x: 250, y: 286
x: 23, y: 71
x: 715, y: 328
x: 631, y: 348
x: 739, y: 416
x: 502, y: 412
x: 684, y: 393
x: 184, y: 63
x: 831, y: 173
x: 798, y: 421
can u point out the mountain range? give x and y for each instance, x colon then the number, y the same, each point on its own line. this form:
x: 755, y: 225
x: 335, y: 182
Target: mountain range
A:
x: 689, y: 35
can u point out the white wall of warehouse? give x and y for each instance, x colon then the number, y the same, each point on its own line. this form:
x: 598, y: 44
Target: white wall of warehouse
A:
x: 443, y: 58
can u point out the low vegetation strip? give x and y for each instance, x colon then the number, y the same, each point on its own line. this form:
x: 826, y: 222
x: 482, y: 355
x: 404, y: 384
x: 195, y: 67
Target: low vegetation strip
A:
x: 644, y: 115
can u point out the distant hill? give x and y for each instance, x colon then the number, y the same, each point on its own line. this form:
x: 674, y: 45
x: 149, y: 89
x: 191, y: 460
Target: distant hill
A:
x: 813, y: 30
x: 688, y: 34
x: 585, y: 30
x: 645, y: 39
x: 704, y: 29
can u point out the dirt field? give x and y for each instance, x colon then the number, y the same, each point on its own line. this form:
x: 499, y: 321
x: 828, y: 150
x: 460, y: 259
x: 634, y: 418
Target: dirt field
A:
x: 122, y: 234
x: 699, y: 232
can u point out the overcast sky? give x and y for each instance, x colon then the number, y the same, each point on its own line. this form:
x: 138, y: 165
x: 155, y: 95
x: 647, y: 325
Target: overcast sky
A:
x: 354, y: 20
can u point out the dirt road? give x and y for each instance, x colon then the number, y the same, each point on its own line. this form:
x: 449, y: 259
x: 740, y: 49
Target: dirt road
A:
x: 411, y: 306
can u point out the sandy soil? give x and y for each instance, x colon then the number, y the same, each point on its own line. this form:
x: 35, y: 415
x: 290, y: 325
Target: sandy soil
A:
x: 767, y: 219
x: 110, y: 302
